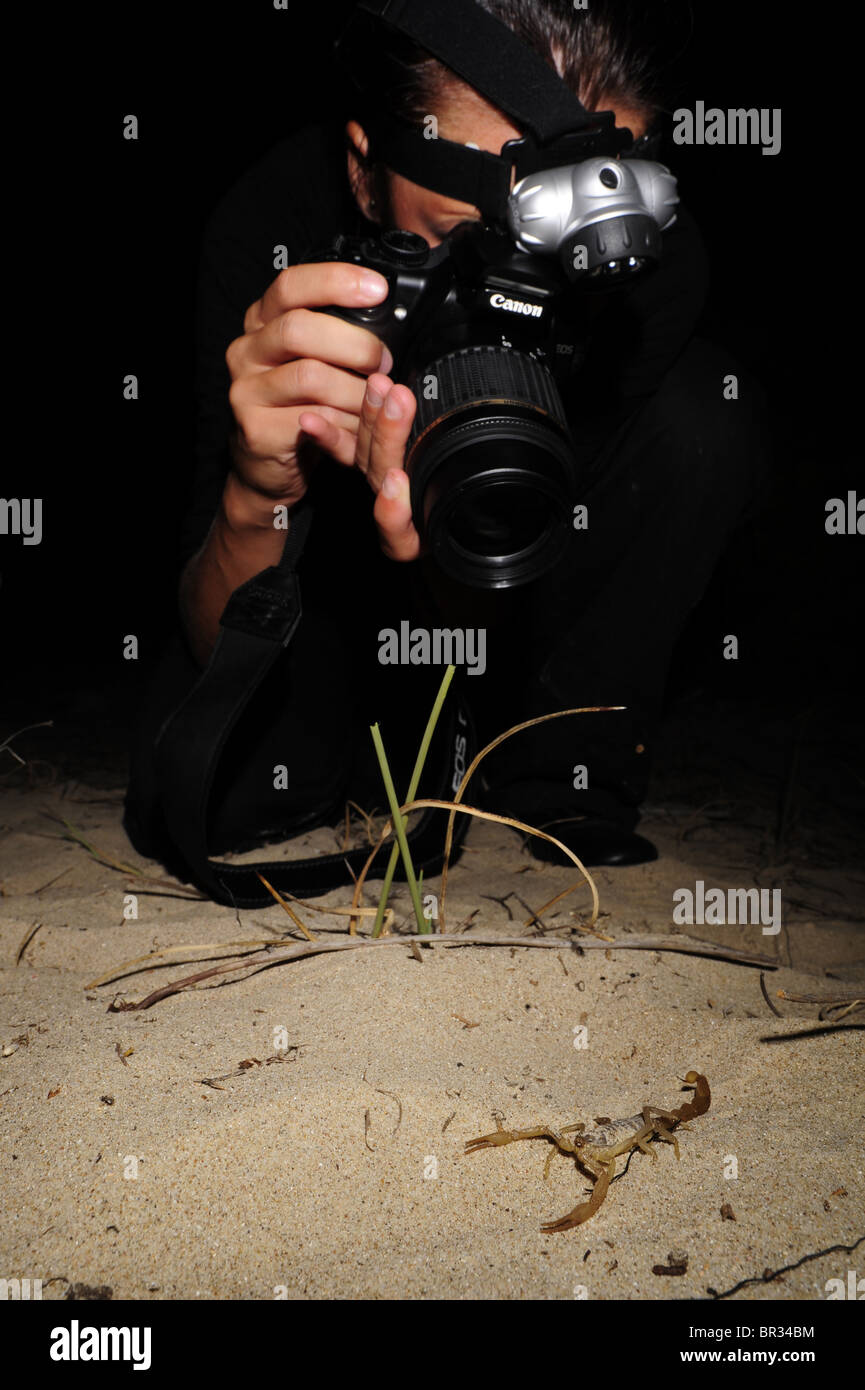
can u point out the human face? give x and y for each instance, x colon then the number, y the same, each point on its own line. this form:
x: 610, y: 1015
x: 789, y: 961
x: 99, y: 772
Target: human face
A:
x: 463, y: 117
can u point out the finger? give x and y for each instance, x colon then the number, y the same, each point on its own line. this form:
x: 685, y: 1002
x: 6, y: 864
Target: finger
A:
x: 392, y: 511
x: 390, y: 432
x: 338, y: 442
x: 306, y: 382
x: 306, y: 333
x: 377, y: 388
x: 342, y: 418
x: 273, y: 433
x: 319, y: 283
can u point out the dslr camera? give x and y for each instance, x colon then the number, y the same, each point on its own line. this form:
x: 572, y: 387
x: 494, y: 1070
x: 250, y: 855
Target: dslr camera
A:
x: 485, y: 328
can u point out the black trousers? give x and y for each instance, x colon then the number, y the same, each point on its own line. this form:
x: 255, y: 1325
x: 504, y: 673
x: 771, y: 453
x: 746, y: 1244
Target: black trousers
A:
x: 662, y: 496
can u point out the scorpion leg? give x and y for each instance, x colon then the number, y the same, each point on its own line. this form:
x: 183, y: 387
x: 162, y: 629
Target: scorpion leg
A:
x: 639, y: 1140
x: 666, y: 1137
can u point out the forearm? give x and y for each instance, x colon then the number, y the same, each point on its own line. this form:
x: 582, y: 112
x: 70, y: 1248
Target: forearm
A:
x: 241, y: 542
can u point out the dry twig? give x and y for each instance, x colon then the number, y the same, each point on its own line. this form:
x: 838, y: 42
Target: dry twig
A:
x: 681, y: 944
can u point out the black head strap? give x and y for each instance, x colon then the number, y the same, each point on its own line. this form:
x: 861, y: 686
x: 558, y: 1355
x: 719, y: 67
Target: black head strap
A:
x: 458, y: 171
x: 489, y: 56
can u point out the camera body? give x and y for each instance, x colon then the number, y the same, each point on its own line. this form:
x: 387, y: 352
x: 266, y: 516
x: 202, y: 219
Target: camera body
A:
x: 485, y: 328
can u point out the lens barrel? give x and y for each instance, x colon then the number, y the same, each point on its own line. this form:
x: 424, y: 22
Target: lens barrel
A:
x: 492, y: 471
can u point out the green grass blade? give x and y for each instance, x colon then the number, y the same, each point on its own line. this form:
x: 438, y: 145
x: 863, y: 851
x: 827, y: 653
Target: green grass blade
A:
x: 399, y: 828
x: 412, y: 792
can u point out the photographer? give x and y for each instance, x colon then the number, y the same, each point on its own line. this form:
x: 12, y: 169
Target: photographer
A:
x: 299, y: 407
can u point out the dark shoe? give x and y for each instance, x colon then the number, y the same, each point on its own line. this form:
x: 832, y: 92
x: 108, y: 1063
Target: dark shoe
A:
x: 594, y: 841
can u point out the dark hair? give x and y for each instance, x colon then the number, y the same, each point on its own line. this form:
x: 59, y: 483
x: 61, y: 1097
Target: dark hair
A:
x: 601, y: 51
x: 607, y: 51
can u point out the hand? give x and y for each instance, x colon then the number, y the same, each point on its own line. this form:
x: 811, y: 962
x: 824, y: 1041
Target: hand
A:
x: 295, y: 371
x: 385, y: 423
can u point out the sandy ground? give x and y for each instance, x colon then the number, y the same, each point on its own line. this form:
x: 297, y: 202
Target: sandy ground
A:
x: 330, y: 1165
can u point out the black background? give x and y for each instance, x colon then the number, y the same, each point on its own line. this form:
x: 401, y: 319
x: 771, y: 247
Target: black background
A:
x: 108, y: 285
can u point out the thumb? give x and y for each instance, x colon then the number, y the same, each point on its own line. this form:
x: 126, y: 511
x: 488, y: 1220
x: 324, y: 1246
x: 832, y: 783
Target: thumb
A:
x: 392, y: 512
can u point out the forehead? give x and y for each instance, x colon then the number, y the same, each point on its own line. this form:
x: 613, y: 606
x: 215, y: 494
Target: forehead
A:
x: 465, y: 116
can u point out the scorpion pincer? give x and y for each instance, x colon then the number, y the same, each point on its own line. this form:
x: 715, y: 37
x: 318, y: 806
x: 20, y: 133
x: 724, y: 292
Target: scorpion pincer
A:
x: 595, y: 1151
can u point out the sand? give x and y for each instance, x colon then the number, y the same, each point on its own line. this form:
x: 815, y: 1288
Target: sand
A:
x: 336, y: 1171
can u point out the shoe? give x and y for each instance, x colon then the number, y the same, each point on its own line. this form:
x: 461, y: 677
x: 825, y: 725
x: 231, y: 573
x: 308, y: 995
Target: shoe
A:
x: 594, y: 841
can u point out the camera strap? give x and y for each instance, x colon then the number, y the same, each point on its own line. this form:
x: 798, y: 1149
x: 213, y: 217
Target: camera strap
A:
x: 258, y: 622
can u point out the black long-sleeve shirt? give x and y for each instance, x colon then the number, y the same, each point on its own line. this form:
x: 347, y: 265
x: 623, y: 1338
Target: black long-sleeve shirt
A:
x: 298, y: 197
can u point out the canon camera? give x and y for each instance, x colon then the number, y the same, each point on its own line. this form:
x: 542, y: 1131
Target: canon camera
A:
x: 485, y: 329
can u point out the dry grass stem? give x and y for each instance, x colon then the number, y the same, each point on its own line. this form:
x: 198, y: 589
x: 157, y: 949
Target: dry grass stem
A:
x: 472, y: 768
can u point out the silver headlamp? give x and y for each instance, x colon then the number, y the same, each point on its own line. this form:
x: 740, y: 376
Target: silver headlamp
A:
x: 602, y: 217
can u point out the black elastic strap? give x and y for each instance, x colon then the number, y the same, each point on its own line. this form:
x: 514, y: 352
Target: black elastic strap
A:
x: 259, y: 621
x: 489, y: 56
x: 472, y: 176
x: 557, y: 129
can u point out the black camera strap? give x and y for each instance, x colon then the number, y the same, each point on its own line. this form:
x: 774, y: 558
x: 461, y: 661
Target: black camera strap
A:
x: 259, y: 621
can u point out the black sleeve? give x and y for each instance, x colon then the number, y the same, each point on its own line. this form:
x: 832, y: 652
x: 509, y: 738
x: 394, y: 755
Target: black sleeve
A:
x: 294, y: 197
x: 637, y: 338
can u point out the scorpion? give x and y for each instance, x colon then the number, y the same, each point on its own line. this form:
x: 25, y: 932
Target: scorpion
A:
x: 596, y: 1150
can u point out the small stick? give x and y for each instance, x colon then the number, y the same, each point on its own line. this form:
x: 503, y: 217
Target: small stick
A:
x: 847, y: 1009
x: 382, y: 1092
x: 150, y: 962
x: 776, y: 1012
x: 558, y: 898
x: 366, y: 817
x: 503, y: 902
x: 53, y: 880
x: 679, y: 944
x: 26, y: 942
x: 821, y: 998
x: 847, y: 1003
x: 285, y: 907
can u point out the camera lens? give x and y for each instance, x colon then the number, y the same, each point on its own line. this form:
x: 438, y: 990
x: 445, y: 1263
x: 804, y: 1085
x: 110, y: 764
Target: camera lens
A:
x: 505, y: 518
x: 492, y: 471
